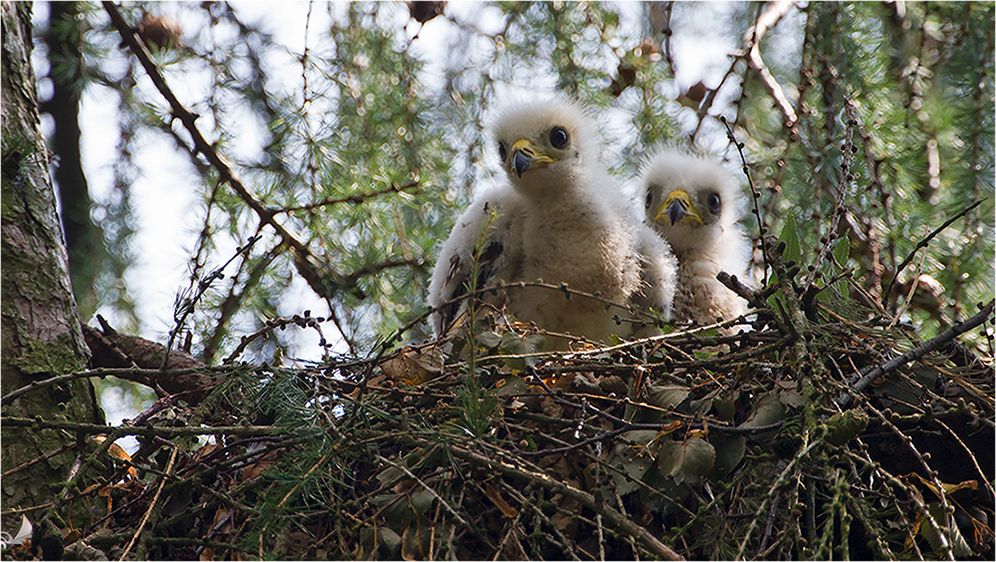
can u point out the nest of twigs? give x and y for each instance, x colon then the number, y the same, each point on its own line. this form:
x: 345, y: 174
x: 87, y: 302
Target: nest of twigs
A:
x: 811, y: 429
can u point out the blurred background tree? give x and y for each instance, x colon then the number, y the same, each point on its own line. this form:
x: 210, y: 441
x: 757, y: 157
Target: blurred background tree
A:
x: 359, y: 126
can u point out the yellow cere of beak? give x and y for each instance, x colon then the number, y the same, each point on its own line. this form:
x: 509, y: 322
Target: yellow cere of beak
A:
x: 538, y: 158
x: 687, y: 214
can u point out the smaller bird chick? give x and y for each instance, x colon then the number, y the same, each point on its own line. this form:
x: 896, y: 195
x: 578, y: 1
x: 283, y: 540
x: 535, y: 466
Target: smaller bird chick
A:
x: 695, y: 204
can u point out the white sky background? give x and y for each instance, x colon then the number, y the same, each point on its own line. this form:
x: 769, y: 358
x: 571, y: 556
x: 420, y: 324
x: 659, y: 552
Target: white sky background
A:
x: 168, y: 213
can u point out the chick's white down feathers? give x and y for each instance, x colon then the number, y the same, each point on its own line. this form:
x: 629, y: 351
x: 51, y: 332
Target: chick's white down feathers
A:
x: 561, y: 218
x: 695, y: 204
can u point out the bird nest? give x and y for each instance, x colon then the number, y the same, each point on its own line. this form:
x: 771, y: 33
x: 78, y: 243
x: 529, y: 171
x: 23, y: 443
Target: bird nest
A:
x: 806, y: 431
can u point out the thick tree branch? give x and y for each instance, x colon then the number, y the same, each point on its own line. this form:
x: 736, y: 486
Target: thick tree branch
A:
x: 146, y: 431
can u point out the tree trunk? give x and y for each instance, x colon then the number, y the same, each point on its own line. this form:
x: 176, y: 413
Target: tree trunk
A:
x: 84, y: 243
x: 40, y: 328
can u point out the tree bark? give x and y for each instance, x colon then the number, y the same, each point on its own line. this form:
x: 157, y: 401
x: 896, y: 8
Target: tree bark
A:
x: 40, y: 333
x: 84, y: 242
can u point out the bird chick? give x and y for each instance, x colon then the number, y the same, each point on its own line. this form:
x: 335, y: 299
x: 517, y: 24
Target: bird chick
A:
x: 695, y: 205
x: 561, y: 218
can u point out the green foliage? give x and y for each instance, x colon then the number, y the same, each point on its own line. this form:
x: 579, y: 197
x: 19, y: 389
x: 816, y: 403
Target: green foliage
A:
x: 922, y: 131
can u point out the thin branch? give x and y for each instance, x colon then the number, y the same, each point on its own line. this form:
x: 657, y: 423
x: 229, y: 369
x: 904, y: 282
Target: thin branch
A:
x: 754, y: 195
x: 152, y: 505
x: 184, y: 307
x: 772, y: 493
x: 133, y: 374
x: 624, y: 524
x: 427, y: 488
x: 711, y: 97
x: 355, y: 199
x: 869, y: 374
x: 923, y: 244
x: 839, y: 210
x: 278, y: 323
x: 653, y: 427
x: 768, y: 19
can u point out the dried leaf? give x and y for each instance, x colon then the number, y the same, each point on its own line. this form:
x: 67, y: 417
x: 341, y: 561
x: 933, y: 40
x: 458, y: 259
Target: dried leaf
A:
x: 613, y: 385
x: 257, y: 468
x: 959, y: 546
x: 495, y: 496
x: 948, y: 488
x: 115, y: 450
x: 414, y: 366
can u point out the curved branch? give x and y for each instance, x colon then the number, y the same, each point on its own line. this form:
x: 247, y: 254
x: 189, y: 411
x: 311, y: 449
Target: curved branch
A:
x: 775, y: 12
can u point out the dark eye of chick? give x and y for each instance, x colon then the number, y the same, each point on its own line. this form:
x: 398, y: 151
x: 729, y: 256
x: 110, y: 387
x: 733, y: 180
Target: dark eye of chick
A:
x: 714, y: 203
x: 502, y: 152
x: 558, y: 137
x: 650, y: 197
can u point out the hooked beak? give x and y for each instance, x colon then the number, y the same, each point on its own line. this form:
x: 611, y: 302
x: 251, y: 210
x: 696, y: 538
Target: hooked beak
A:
x: 678, y: 207
x: 526, y: 156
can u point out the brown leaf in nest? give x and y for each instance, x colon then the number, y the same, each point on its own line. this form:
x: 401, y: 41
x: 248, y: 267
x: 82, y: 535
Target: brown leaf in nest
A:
x: 495, y: 496
x: 948, y: 488
x: 257, y: 468
x: 613, y: 385
x: 562, y: 382
x: 564, y: 519
x: 551, y: 408
x: 414, y: 366
x: 118, y: 452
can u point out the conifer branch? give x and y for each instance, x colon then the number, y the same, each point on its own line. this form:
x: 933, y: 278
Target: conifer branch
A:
x: 303, y: 257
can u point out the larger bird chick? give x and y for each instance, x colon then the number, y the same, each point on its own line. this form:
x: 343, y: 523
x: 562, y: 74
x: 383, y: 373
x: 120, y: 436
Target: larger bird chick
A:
x: 695, y: 204
x: 561, y: 218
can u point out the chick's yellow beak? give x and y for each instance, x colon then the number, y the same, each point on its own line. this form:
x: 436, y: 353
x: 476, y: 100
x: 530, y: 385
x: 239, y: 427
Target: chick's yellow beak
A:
x: 678, y: 207
x: 527, y: 156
